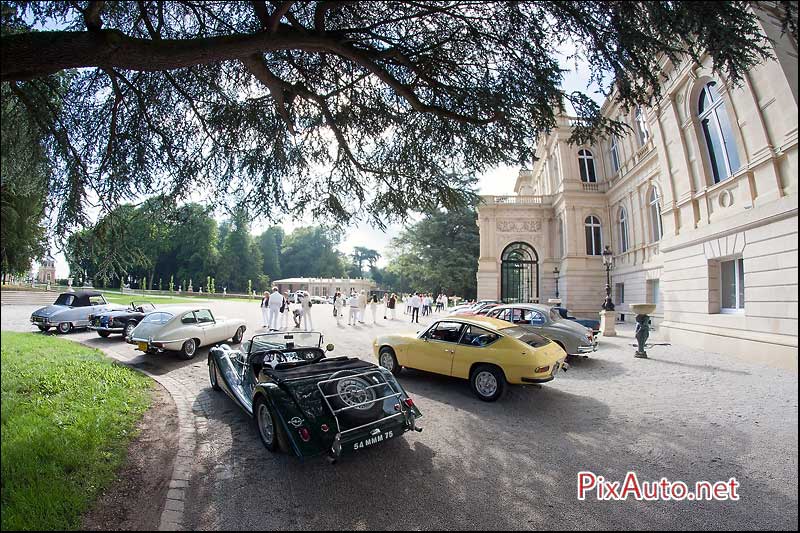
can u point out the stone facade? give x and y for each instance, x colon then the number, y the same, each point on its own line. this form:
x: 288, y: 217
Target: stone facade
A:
x: 698, y: 204
x: 47, y: 271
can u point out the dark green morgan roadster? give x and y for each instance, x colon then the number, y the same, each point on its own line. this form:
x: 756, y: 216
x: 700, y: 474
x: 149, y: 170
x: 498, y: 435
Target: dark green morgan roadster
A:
x: 308, y: 404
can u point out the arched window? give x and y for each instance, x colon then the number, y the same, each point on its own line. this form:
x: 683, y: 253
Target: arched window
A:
x: 586, y: 164
x: 717, y: 133
x: 614, y: 154
x: 594, y: 237
x: 641, y: 126
x: 654, y: 207
x: 519, y: 274
x: 623, y: 230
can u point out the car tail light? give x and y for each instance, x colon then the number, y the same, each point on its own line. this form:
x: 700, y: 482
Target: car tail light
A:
x: 324, y: 428
x: 304, y: 434
x: 542, y: 369
x: 409, y: 402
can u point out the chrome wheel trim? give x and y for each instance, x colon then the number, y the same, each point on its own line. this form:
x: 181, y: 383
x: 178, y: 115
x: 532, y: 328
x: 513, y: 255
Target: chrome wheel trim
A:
x: 128, y: 329
x: 354, y: 393
x: 189, y: 347
x: 486, y: 383
x: 65, y: 329
x: 265, y: 424
x: 387, y: 361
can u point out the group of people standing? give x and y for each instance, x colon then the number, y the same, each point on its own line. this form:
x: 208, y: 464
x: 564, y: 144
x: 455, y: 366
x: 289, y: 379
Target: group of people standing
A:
x: 357, y: 304
x: 276, y: 308
x: 424, y: 301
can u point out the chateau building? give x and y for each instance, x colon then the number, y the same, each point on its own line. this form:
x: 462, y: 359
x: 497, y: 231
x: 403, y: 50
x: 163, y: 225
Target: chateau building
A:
x: 325, y: 287
x: 698, y: 204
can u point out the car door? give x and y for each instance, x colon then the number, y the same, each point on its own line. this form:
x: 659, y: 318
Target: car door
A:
x: 435, y: 352
x: 208, y: 326
x: 473, y: 347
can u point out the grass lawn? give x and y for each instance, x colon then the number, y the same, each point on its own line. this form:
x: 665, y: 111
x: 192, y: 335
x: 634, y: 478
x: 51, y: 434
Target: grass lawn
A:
x: 156, y: 299
x: 68, y: 414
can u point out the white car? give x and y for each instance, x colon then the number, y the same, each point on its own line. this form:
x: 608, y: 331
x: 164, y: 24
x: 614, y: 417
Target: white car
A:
x: 184, y: 330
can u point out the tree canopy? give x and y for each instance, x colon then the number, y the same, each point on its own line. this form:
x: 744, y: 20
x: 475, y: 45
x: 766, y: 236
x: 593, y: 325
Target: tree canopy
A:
x: 335, y: 107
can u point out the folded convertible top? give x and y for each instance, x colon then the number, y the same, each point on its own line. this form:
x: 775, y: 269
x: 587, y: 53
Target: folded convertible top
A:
x: 325, y: 366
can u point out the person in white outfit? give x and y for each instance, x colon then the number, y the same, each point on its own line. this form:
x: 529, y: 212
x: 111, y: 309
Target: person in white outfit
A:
x: 265, y: 310
x: 275, y: 301
x: 416, y: 303
x: 352, y: 302
x: 305, y: 304
x: 362, y: 305
x: 373, y: 308
x: 338, y: 306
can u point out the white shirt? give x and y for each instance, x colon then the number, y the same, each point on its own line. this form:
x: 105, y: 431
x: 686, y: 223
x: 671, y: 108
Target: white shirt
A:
x: 275, y: 300
x: 352, y: 301
x: 415, y: 301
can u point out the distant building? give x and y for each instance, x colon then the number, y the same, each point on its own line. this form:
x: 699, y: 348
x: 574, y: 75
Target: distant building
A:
x: 47, y: 271
x: 324, y: 287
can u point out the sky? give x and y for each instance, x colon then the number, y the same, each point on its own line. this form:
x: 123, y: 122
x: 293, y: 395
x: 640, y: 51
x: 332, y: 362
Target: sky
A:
x: 497, y: 181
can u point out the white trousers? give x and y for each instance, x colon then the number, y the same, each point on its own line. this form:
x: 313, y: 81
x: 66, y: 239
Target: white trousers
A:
x: 308, y: 325
x: 374, y: 310
x: 285, y: 316
x: 264, y: 316
x: 353, y: 315
x: 274, y: 311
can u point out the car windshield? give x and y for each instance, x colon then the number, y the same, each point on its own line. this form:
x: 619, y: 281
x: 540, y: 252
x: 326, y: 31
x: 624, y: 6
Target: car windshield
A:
x: 144, y: 306
x: 65, y: 299
x: 525, y: 335
x: 282, y: 341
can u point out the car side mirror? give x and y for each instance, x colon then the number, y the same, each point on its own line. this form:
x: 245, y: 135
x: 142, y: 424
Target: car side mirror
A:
x: 329, y: 347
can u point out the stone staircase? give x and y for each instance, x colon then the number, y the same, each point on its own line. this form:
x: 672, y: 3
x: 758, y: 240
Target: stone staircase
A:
x: 27, y: 297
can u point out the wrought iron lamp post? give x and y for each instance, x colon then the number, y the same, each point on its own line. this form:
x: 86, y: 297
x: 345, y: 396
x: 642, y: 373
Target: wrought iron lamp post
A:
x: 555, y: 274
x: 608, y: 262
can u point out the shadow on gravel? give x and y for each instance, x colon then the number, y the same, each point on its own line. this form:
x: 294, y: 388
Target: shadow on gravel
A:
x: 706, y: 368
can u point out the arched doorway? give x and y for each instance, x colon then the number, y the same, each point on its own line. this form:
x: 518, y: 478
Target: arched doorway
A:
x: 519, y: 274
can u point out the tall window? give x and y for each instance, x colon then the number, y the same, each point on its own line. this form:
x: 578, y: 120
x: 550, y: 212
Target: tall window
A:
x: 519, y: 274
x: 623, y: 230
x: 732, y: 285
x: 641, y: 126
x: 561, y: 248
x: 586, y: 164
x: 717, y: 132
x: 614, y: 154
x: 594, y: 239
x: 653, y: 291
x: 653, y: 201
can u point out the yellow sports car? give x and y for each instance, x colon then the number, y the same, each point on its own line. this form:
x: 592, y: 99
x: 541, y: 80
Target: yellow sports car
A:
x: 488, y: 352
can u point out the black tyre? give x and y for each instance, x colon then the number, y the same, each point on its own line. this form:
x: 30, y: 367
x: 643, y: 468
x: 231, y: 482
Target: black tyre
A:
x: 212, y: 373
x: 129, y: 327
x: 388, y: 360
x: 189, y: 349
x: 64, y: 327
x: 268, y: 426
x: 237, y: 338
x: 488, y: 382
x: 354, y: 394
x: 43, y: 328
x: 103, y: 334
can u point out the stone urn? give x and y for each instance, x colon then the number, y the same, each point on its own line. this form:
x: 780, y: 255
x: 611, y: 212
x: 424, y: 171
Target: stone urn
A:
x: 642, y: 326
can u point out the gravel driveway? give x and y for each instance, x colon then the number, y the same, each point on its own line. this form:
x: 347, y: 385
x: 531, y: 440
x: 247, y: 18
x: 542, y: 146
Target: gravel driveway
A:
x: 682, y: 414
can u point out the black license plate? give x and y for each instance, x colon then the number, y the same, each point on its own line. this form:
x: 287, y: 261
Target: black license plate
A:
x: 372, y: 440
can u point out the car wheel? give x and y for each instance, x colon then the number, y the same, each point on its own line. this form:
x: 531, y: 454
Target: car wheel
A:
x: 212, y: 373
x: 64, y: 327
x: 189, y: 349
x: 238, y: 337
x: 353, y: 393
x: 103, y: 334
x: 487, y: 382
x: 387, y: 360
x: 269, y: 430
x: 129, y: 327
x: 43, y: 328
